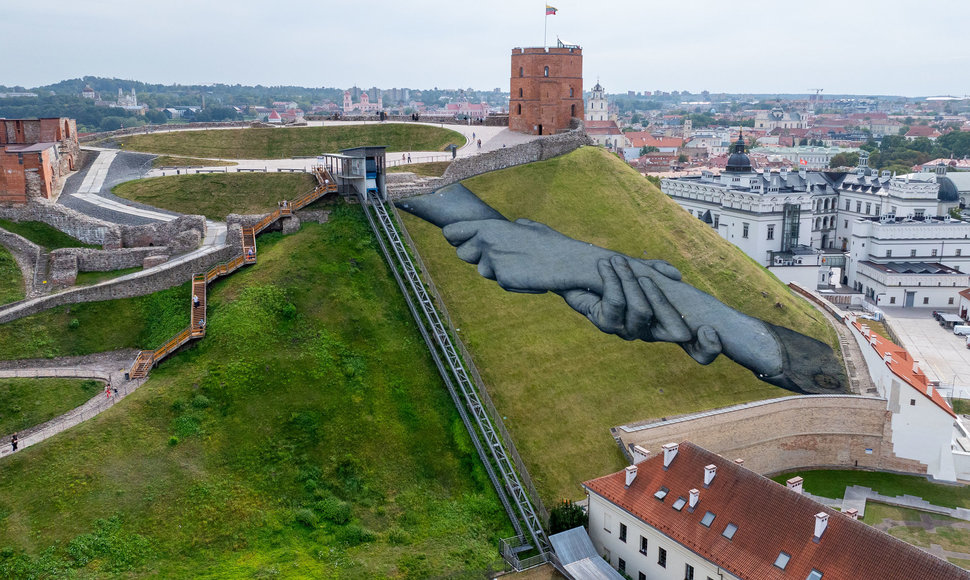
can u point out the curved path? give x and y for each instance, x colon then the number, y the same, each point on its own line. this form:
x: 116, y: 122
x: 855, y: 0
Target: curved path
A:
x: 107, y: 367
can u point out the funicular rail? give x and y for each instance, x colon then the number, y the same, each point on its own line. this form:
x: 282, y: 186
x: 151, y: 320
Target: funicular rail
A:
x: 482, y: 429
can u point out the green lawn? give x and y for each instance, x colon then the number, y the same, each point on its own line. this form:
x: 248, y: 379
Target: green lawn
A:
x: 141, y: 322
x: 272, y: 143
x: 28, y: 402
x: 215, y: 195
x: 89, y: 278
x: 560, y: 383
x: 307, y: 436
x: 433, y: 169
x: 44, y: 235
x: 832, y: 484
x: 175, y: 161
x: 11, y: 278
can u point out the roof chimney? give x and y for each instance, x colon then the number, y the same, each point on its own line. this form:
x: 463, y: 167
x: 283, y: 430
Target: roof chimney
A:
x: 631, y: 474
x: 852, y: 513
x: 865, y: 330
x: 821, y: 522
x: 739, y: 462
x: 795, y: 484
x: 709, y: 472
x: 695, y: 496
x: 670, y: 451
x: 915, y: 367
x: 873, y: 340
x: 888, y: 358
x: 640, y: 454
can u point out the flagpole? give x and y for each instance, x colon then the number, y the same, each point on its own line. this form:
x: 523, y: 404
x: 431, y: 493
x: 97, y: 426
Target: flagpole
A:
x: 545, y: 27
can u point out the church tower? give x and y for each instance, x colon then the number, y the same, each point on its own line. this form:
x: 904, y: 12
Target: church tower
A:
x: 598, y: 109
x: 348, y: 104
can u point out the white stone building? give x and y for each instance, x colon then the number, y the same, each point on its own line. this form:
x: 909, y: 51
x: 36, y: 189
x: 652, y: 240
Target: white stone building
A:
x: 597, y: 108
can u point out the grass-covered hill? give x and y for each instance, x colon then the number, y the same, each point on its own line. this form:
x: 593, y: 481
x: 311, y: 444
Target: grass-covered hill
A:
x: 215, y: 195
x: 276, y: 143
x: 559, y: 382
x: 307, y: 436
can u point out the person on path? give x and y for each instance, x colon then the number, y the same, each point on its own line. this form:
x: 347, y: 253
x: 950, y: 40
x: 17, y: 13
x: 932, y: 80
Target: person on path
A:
x: 202, y: 324
x: 107, y: 391
x: 195, y: 298
x: 114, y: 391
x: 409, y: 158
x: 251, y: 252
x: 479, y: 143
x: 473, y: 135
x: 13, y: 441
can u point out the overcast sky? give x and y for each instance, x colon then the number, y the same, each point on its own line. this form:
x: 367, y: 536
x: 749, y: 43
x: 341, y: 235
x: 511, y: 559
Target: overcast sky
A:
x: 758, y: 46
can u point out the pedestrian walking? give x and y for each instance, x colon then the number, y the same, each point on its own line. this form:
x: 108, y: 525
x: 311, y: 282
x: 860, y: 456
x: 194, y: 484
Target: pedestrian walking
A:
x: 473, y: 135
x: 13, y: 441
x: 479, y: 143
x: 114, y: 390
x: 202, y: 324
x: 409, y: 158
x: 195, y: 300
x: 107, y: 391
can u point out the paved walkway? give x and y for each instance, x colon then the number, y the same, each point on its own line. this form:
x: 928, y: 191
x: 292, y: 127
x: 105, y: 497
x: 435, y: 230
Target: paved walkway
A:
x: 945, y: 355
x: 108, y: 368
x: 856, y: 497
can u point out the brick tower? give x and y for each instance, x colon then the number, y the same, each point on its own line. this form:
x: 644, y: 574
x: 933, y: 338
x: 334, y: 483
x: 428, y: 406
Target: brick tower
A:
x: 546, y: 89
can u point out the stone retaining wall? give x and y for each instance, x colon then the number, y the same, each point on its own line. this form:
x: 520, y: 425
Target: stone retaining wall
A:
x: 25, y: 253
x: 785, y: 434
x: 124, y: 287
x: 89, y: 260
x: 73, y: 223
x: 539, y: 149
x: 181, y: 235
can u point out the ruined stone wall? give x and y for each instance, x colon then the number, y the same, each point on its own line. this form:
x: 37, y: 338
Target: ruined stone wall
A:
x: 90, y: 260
x: 786, y: 434
x: 25, y: 253
x: 75, y: 224
x: 182, y: 234
x: 177, y: 273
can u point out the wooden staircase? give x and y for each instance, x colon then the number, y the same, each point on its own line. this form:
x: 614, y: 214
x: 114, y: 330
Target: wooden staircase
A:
x: 147, y: 359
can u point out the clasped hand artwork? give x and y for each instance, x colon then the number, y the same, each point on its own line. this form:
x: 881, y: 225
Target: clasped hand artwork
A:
x: 632, y: 298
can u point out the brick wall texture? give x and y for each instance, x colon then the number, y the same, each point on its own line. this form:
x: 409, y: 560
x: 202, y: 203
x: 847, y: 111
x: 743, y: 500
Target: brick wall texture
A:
x: 35, y: 173
x: 547, y: 89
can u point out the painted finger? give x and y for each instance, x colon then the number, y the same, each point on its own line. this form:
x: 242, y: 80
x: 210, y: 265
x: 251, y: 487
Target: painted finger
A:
x: 612, y: 308
x: 664, y: 268
x: 638, y: 311
x: 668, y: 325
x: 470, y: 251
x: 705, y: 347
x: 460, y: 232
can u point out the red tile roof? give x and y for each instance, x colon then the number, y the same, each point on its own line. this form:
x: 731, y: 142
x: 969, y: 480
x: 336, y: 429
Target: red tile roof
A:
x: 922, y: 131
x: 645, y: 139
x: 902, y: 367
x: 965, y: 293
x: 769, y: 517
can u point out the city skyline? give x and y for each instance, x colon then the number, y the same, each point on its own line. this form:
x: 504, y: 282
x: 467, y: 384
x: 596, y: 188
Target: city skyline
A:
x: 864, y: 47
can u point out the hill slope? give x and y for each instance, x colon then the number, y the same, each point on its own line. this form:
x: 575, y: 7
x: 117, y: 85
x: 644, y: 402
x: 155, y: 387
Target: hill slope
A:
x: 308, y: 435
x: 560, y: 383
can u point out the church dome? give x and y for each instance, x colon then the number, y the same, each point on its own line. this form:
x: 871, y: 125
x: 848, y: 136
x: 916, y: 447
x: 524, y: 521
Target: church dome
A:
x: 738, y: 162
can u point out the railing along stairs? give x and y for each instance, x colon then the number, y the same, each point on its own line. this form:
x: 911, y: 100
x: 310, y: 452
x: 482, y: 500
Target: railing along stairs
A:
x: 147, y: 359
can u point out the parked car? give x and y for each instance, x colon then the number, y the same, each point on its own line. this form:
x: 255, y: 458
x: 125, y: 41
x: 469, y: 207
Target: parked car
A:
x: 962, y: 329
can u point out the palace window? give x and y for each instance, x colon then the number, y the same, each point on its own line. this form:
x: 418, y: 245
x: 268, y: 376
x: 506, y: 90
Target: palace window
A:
x: 771, y: 232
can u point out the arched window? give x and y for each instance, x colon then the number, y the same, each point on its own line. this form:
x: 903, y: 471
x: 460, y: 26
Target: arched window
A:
x: 520, y: 93
x: 519, y: 110
x: 545, y: 71
x: 570, y: 92
x: 818, y: 223
x: 521, y: 72
x: 67, y: 130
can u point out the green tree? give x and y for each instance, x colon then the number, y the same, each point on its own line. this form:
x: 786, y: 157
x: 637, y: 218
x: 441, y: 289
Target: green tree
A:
x: 156, y: 117
x: 682, y: 158
x: 648, y: 149
x: 844, y: 160
x: 566, y: 516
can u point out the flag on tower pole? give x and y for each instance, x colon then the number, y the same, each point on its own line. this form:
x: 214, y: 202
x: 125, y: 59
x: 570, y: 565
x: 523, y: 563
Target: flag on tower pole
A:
x: 550, y: 10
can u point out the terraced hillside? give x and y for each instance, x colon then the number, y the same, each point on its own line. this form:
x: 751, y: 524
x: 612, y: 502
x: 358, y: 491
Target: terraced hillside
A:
x: 559, y: 382
x: 307, y: 436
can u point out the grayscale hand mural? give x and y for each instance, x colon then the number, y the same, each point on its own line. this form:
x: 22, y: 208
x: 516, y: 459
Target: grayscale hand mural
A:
x: 632, y: 298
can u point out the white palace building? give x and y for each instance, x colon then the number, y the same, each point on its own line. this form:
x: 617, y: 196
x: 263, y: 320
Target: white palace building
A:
x: 889, y: 237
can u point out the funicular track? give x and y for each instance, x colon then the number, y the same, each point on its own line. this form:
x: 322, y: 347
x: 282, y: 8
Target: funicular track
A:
x: 470, y: 407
